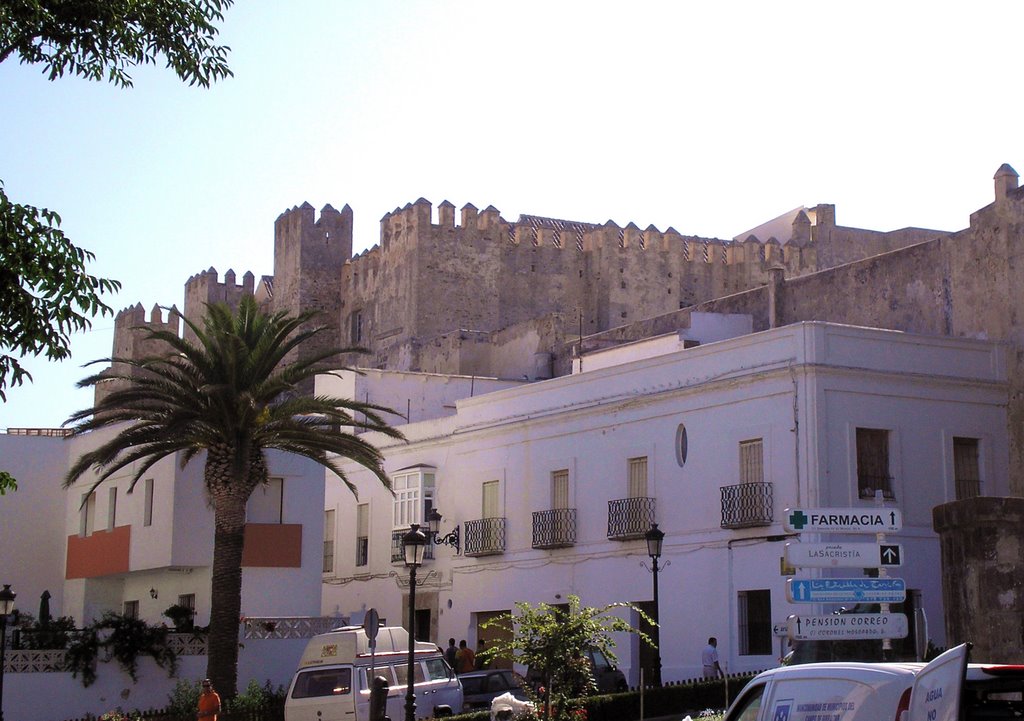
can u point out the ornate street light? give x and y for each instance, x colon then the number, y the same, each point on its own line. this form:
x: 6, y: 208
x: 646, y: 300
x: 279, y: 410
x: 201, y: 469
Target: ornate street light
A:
x: 414, y: 543
x: 655, y: 537
x: 6, y: 609
x: 434, y: 527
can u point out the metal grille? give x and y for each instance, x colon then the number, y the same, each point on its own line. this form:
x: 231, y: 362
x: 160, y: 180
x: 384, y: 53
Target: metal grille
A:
x: 398, y: 548
x: 485, y: 536
x: 555, y: 528
x: 966, y: 468
x: 873, y: 463
x: 630, y: 518
x: 289, y: 626
x: 747, y: 504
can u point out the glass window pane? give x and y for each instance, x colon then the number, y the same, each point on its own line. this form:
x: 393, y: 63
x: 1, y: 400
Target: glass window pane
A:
x: 323, y: 682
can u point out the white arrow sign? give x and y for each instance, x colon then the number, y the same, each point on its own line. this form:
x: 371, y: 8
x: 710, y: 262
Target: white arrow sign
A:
x: 844, y: 555
x: 842, y: 520
x: 848, y: 625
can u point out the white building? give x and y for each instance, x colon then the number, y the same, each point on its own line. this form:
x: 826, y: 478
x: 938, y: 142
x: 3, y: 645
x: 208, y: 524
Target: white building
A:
x: 552, y: 485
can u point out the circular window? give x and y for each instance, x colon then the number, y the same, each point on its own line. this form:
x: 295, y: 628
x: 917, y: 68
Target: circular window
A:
x: 681, y: 444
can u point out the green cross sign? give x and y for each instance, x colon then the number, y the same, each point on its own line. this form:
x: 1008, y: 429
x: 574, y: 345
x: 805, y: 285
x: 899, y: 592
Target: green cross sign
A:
x: 797, y: 520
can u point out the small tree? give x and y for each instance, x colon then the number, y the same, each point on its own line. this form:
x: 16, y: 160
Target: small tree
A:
x: 552, y: 642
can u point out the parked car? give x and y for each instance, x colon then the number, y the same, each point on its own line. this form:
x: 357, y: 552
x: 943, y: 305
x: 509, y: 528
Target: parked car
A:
x: 479, y: 688
x: 947, y: 689
x: 609, y: 679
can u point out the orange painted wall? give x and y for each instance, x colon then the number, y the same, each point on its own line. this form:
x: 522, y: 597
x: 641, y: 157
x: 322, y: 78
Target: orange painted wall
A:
x: 102, y: 554
x: 276, y: 545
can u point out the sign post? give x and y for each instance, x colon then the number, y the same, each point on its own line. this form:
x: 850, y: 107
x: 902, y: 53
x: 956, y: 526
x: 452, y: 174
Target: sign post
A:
x: 847, y: 626
x: 844, y: 555
x: 842, y: 520
x: 846, y: 590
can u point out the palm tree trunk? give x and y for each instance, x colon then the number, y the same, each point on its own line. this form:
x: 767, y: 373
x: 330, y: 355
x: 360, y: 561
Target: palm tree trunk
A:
x: 226, y: 592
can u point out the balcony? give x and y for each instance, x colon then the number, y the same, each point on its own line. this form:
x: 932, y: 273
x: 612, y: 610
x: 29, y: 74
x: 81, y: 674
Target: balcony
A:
x: 630, y: 518
x: 398, y: 548
x: 484, y: 537
x: 555, y: 528
x: 104, y: 553
x: 747, y: 505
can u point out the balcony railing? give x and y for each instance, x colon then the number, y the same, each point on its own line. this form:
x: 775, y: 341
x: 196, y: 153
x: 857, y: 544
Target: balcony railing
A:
x: 485, y: 537
x: 747, y: 505
x: 398, y: 548
x: 555, y: 528
x: 630, y: 518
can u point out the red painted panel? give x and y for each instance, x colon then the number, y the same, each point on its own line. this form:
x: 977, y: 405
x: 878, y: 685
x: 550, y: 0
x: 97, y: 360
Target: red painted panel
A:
x: 104, y: 553
x: 272, y: 545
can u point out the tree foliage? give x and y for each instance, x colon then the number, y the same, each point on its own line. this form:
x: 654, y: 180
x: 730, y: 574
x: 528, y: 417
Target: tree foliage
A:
x: 101, y: 39
x: 552, y: 641
x: 228, y: 393
x: 7, y: 483
x: 46, y: 293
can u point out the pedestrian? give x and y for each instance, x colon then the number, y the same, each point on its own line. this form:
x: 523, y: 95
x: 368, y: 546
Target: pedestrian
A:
x: 709, y: 659
x: 481, y: 664
x: 209, y: 702
x: 450, y: 653
x: 465, y: 659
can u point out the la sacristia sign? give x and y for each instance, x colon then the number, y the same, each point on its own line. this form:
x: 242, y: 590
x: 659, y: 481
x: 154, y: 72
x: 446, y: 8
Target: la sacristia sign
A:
x: 842, y: 520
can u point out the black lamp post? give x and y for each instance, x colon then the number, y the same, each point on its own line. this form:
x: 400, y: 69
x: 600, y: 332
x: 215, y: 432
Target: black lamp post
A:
x: 414, y: 543
x: 655, y: 537
x: 6, y: 609
x: 434, y: 528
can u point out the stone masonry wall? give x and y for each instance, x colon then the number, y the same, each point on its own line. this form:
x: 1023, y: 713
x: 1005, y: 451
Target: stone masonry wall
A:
x: 982, y: 541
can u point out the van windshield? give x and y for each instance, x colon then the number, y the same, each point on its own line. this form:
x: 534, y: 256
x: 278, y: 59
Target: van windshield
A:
x: 323, y: 682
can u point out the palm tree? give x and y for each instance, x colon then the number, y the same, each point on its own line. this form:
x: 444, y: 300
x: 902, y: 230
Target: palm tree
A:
x: 231, y: 394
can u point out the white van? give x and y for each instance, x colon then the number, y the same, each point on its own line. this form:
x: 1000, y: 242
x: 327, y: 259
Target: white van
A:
x: 332, y: 682
x: 947, y: 689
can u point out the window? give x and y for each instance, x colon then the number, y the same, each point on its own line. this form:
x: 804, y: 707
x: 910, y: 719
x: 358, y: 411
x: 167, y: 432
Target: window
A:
x: 638, y: 477
x: 87, y: 514
x: 323, y: 682
x: 966, y: 470
x: 147, y: 513
x: 682, y: 445
x: 130, y: 609
x: 362, y: 534
x: 111, y: 508
x: 490, y: 507
x: 188, y: 600
x: 560, y: 489
x: 266, y: 504
x: 873, y: 463
x: 755, y: 614
x: 357, y: 326
x: 414, y: 497
x: 328, y: 541
x: 752, y: 461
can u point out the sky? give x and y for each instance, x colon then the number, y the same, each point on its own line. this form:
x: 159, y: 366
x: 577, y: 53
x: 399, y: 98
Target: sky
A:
x: 710, y: 117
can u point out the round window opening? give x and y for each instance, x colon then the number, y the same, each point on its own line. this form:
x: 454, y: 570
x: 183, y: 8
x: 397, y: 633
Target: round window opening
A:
x: 681, y: 444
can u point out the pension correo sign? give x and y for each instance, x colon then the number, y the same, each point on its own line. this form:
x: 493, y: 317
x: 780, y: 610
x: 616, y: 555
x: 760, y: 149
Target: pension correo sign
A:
x: 842, y: 520
x: 848, y: 625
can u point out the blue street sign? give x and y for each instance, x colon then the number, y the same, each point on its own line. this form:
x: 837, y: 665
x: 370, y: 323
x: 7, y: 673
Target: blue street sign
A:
x: 846, y: 590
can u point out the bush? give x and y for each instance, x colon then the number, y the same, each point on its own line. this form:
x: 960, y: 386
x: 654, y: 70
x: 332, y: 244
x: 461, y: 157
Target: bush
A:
x: 120, y: 637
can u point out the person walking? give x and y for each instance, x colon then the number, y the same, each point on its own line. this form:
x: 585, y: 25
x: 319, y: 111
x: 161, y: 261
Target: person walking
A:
x: 450, y: 653
x: 465, y: 659
x: 209, y: 702
x: 709, y: 660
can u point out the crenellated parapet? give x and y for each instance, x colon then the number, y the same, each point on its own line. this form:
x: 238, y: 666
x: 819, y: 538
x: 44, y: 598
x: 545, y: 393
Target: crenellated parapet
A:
x: 206, y: 288
x: 133, y: 341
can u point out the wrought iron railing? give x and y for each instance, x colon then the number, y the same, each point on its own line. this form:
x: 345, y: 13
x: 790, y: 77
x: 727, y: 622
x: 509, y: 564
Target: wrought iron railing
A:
x: 869, y: 484
x: 398, y: 548
x: 630, y: 518
x: 746, y: 505
x: 967, y: 488
x: 484, y: 537
x: 555, y: 528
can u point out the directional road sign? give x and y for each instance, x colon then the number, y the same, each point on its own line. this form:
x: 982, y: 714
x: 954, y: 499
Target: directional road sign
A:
x: 842, y: 520
x: 844, y: 555
x: 847, y: 625
x: 846, y: 590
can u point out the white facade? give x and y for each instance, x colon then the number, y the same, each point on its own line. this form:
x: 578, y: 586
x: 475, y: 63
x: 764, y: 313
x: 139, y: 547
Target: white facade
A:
x: 779, y: 409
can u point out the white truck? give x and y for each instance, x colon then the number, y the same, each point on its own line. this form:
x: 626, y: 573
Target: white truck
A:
x: 947, y: 689
x: 333, y: 680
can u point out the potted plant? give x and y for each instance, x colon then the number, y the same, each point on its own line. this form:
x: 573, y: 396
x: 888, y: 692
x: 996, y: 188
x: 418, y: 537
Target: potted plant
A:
x: 181, y: 616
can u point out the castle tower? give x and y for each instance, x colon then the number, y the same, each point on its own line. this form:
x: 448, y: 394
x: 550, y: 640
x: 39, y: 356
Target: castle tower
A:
x: 309, y: 255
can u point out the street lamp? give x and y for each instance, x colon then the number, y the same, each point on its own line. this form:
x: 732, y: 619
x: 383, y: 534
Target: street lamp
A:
x: 6, y: 609
x: 414, y: 543
x: 434, y: 527
x: 654, y: 537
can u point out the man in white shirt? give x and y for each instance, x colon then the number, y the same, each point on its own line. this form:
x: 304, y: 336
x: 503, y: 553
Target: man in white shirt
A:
x: 709, y: 659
